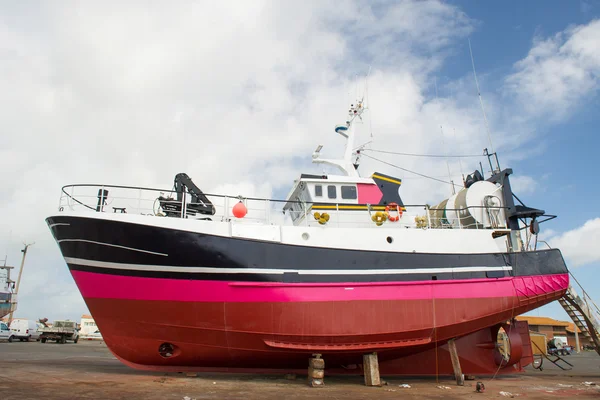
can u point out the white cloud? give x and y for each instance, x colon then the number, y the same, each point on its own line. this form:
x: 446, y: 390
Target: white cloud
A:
x: 580, y: 245
x: 547, y: 233
x: 412, y: 35
x: 559, y: 72
x: 236, y: 95
x: 523, y: 184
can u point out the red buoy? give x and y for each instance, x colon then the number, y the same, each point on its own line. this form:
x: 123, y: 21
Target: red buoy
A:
x: 240, y: 210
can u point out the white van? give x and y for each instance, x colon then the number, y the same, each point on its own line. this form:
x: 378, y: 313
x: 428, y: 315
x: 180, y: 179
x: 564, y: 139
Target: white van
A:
x: 25, y: 329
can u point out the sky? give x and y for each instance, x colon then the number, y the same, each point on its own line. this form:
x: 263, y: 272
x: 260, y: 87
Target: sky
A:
x: 238, y: 95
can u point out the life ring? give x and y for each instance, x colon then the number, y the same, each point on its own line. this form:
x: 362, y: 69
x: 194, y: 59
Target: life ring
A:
x: 379, y: 218
x: 394, y: 218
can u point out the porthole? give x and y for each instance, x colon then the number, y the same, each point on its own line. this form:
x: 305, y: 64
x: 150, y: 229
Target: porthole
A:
x: 305, y: 236
x: 390, y: 239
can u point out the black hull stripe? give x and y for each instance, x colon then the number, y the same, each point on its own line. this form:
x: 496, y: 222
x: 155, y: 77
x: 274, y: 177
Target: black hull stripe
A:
x: 189, y: 249
x: 150, y: 244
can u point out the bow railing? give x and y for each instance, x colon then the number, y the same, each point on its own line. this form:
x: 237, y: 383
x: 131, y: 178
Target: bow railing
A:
x: 154, y: 202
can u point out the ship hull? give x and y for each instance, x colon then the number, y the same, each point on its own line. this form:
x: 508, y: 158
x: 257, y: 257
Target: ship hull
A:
x: 276, y: 327
x: 5, y: 304
x: 260, y: 318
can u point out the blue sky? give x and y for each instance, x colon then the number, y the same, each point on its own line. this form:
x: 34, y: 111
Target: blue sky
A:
x: 563, y: 154
x: 133, y: 95
x: 565, y: 169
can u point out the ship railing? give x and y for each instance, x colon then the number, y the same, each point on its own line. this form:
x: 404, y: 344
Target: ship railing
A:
x: 164, y: 203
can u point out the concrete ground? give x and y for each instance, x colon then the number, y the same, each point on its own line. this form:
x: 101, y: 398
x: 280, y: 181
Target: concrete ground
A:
x: 87, y: 370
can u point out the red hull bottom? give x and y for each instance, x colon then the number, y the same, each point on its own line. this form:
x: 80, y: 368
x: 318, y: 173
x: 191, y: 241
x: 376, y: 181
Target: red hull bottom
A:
x: 476, y: 353
x: 276, y: 337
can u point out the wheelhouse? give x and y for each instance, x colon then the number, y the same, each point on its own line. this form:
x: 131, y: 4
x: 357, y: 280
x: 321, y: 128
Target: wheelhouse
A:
x: 328, y: 193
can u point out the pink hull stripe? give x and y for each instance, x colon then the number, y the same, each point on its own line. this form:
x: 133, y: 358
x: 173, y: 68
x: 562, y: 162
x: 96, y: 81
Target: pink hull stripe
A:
x: 93, y: 285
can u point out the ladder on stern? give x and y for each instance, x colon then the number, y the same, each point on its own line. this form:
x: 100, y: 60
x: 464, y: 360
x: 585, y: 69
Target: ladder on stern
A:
x: 584, y: 313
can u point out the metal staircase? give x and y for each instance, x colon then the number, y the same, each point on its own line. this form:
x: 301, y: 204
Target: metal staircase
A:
x: 584, y: 313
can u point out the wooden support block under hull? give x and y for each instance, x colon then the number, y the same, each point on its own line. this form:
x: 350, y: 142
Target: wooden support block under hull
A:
x: 371, y: 367
x: 460, y: 378
x: 316, y: 371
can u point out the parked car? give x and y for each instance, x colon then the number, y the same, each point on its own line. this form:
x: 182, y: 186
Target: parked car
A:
x: 5, y: 333
x: 25, y: 329
x: 96, y: 335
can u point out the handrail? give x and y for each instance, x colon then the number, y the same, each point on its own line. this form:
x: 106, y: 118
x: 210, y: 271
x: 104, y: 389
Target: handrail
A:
x: 592, y: 330
x: 585, y: 294
x: 157, y: 202
x: 429, y: 208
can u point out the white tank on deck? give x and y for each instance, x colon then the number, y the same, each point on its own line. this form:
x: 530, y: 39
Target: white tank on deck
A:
x: 479, y: 206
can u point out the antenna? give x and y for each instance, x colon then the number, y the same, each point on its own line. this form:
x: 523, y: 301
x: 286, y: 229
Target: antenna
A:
x: 443, y: 141
x: 368, y: 101
x: 356, y: 77
x: 462, y: 173
x: 7, y: 246
x: 347, y: 130
x: 447, y: 163
x: 367, y: 76
x: 487, y: 126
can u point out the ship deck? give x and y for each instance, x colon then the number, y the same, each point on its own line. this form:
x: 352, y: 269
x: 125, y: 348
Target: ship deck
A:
x: 88, y: 370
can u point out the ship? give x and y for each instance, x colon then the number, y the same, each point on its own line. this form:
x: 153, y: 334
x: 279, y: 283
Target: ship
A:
x: 8, y: 299
x: 181, y: 280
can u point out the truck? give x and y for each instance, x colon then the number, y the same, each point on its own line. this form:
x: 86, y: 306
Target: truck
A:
x: 558, y: 348
x: 60, y: 331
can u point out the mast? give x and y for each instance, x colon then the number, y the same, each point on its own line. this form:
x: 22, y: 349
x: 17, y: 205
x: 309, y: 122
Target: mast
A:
x: 24, y: 251
x: 346, y: 130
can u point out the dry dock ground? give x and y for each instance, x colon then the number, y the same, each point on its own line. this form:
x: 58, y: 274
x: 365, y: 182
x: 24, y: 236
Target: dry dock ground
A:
x: 87, y: 370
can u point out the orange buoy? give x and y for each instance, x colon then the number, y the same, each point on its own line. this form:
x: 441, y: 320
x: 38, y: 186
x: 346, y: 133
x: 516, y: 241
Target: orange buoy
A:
x: 240, y: 210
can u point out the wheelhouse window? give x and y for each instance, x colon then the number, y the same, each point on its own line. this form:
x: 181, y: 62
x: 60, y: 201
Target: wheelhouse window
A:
x: 349, y: 192
x: 318, y: 191
x: 331, y: 192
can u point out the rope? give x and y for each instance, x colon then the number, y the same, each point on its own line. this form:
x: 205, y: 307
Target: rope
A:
x: 487, y: 125
x: 412, y: 172
x: 437, y: 377
x: 425, y: 155
x: 512, y: 316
